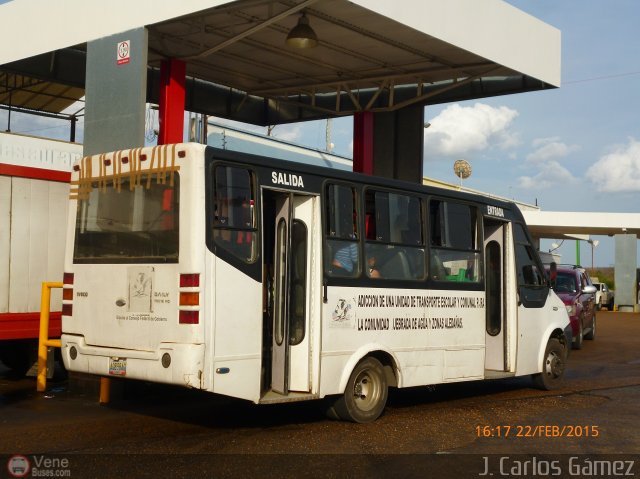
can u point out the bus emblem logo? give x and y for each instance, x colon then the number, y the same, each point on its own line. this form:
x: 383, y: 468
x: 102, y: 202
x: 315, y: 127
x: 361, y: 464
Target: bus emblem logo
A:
x: 343, y: 311
x: 140, y: 288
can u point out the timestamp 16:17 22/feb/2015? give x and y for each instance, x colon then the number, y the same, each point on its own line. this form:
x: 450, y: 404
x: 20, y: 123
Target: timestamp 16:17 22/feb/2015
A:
x: 539, y: 430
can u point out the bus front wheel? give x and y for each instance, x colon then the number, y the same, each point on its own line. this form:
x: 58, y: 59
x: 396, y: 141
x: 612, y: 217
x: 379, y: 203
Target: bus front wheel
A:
x: 554, y: 363
x: 365, y: 396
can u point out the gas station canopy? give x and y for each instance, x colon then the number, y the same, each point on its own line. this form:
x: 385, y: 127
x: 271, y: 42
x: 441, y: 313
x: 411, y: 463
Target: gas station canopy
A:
x: 372, y: 55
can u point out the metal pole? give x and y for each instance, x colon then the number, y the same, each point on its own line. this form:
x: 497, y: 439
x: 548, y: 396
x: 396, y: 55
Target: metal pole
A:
x: 72, y: 135
x: 9, y: 115
x: 44, y: 342
x: 44, y: 335
x: 578, y: 252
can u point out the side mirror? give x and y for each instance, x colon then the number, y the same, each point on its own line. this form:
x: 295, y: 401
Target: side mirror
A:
x: 589, y: 289
x: 553, y: 274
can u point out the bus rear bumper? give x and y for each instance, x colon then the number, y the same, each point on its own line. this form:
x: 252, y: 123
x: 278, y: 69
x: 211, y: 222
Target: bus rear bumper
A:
x: 170, y: 363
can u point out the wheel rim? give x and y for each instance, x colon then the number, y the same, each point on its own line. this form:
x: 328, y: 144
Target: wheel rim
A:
x: 553, y: 365
x: 367, y: 390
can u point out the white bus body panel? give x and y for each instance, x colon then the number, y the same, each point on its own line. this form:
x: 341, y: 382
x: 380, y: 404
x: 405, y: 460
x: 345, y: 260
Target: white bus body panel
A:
x: 435, y: 336
x: 535, y: 328
x: 143, y: 322
x: 31, y: 241
x: 238, y: 333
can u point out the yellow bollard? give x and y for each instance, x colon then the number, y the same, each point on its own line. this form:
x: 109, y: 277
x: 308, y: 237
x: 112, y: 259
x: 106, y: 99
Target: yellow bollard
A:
x: 44, y: 342
x: 105, y: 390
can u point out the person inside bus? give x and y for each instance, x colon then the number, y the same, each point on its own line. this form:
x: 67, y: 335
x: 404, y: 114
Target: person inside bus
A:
x: 346, y: 259
x: 469, y: 274
x: 371, y: 267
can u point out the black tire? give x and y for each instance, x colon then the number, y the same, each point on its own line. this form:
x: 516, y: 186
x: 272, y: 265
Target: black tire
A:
x: 365, y: 395
x: 554, y: 364
x: 578, y: 340
x: 19, y: 355
x: 591, y: 335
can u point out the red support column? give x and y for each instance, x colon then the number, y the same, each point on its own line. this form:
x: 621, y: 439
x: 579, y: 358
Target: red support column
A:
x: 363, y: 142
x: 172, y: 94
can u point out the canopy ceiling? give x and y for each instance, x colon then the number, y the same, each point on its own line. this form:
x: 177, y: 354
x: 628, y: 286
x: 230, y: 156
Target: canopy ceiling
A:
x: 372, y: 56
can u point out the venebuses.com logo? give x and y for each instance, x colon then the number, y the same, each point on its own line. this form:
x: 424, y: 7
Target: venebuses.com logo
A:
x: 18, y: 466
x: 38, y: 466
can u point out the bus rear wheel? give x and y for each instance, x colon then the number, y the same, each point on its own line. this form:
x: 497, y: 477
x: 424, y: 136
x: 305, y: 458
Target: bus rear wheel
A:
x: 365, y: 396
x: 554, y: 363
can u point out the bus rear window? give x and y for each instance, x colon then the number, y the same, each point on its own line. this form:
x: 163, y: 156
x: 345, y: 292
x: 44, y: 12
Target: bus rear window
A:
x: 130, y: 224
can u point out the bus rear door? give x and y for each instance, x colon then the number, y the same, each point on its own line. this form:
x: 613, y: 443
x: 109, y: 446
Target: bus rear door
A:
x: 293, y: 290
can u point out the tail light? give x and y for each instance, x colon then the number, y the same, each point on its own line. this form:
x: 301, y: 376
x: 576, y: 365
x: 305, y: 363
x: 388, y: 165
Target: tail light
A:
x: 189, y: 299
x: 189, y: 309
x: 189, y: 280
x: 67, y: 294
x: 189, y: 317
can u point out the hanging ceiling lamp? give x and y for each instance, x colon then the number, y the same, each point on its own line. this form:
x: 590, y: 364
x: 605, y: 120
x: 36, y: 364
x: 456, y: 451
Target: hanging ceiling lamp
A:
x: 302, y: 35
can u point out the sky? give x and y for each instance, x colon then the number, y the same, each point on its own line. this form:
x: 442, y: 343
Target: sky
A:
x: 575, y: 148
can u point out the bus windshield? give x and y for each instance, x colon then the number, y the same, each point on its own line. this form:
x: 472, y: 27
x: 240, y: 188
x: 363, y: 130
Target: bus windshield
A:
x: 128, y: 223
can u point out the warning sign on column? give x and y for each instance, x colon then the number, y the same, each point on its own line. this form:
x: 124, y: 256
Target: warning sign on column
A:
x: 123, y: 52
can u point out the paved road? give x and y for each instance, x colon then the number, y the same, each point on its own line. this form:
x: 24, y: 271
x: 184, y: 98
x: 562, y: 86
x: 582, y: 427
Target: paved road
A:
x: 595, y: 413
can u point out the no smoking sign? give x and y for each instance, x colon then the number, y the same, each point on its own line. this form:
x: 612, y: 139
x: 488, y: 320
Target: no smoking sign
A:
x: 123, y: 52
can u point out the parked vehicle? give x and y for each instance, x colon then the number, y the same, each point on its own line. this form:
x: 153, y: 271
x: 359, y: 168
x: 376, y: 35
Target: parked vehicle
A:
x: 576, y: 290
x: 604, y: 296
x: 34, y: 198
x: 271, y: 281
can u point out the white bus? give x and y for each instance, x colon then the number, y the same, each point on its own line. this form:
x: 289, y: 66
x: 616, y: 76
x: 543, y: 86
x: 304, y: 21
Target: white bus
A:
x: 270, y: 281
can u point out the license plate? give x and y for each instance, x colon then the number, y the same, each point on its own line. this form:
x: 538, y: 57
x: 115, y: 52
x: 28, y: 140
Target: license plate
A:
x: 118, y: 366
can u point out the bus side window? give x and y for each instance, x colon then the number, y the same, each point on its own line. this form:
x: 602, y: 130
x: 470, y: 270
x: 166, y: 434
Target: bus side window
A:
x: 394, y: 247
x: 342, y: 248
x: 453, y: 236
x: 234, y: 222
x: 531, y: 279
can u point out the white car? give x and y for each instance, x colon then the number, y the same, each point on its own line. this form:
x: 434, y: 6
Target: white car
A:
x: 604, y: 296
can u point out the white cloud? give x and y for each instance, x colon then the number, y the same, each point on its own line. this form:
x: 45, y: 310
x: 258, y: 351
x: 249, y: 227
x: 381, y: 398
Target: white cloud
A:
x: 538, y: 142
x: 544, y: 158
x: 618, y: 170
x: 551, y: 174
x: 549, y: 148
x: 459, y: 130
